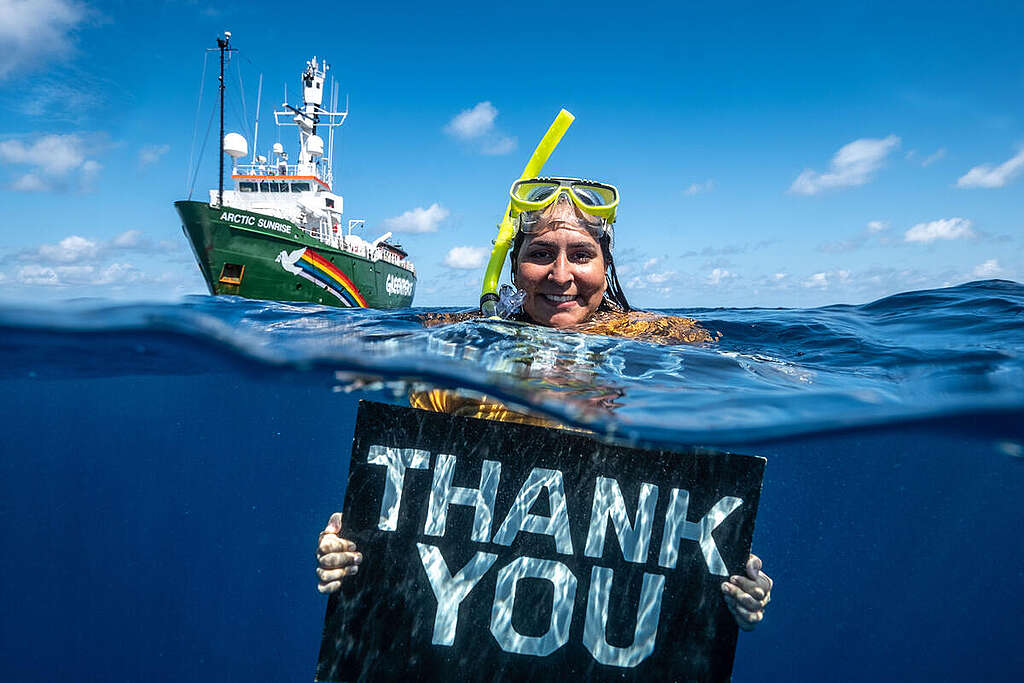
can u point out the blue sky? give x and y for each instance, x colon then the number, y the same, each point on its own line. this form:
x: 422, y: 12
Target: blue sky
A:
x: 792, y: 155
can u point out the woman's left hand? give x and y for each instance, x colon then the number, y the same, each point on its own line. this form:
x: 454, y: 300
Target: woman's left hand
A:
x: 747, y: 596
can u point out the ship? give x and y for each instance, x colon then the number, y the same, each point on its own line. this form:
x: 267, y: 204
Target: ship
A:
x: 277, y: 234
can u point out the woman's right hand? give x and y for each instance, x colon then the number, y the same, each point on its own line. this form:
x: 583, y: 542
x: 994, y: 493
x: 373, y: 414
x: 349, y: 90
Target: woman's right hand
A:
x: 336, y: 557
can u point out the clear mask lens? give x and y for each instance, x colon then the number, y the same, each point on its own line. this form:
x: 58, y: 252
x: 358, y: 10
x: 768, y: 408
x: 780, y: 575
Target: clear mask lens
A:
x: 531, y: 221
x: 593, y: 195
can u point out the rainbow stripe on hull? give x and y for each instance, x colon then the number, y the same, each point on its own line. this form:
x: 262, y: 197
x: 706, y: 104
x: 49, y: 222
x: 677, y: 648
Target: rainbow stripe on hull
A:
x: 325, y: 274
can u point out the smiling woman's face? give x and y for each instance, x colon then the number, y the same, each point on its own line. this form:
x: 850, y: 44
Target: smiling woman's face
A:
x: 562, y: 270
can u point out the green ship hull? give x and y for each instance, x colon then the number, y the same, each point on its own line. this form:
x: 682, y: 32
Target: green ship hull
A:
x: 257, y: 256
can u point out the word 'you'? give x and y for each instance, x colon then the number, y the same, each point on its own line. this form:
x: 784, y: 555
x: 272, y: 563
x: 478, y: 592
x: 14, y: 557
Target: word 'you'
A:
x: 451, y: 589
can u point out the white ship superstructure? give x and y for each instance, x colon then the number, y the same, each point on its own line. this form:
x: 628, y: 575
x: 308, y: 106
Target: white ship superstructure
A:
x: 301, y: 192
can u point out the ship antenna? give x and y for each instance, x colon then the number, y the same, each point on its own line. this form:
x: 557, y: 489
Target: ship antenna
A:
x: 256, y: 134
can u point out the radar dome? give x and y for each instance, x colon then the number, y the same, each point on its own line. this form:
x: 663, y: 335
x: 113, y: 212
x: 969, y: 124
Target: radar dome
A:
x: 315, y: 145
x: 235, y: 145
x: 278, y: 148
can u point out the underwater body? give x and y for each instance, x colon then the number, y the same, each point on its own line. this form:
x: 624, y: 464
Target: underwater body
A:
x: 166, y: 469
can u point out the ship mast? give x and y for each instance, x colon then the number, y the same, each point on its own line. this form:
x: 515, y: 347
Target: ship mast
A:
x: 222, y: 43
x: 310, y: 119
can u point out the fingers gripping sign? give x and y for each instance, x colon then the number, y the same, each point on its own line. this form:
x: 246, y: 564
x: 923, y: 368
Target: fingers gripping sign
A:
x: 747, y: 596
x: 336, y: 557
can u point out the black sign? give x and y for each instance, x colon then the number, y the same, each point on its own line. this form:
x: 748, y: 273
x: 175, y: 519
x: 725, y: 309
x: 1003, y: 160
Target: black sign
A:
x: 508, y: 552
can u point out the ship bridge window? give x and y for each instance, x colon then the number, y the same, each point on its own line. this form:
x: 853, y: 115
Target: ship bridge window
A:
x: 300, y: 187
x: 247, y: 187
x: 329, y: 202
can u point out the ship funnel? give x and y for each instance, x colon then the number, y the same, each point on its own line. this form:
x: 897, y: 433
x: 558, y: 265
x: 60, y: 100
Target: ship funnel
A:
x: 235, y: 146
x: 315, y: 145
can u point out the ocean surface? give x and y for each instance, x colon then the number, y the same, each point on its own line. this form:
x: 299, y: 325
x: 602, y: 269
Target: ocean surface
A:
x: 166, y: 468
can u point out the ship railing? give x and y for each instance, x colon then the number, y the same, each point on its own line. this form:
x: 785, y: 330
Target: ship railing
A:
x: 358, y: 249
x: 279, y: 170
x: 391, y: 257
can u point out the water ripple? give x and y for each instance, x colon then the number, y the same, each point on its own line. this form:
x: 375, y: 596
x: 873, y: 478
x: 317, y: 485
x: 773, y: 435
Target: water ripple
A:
x: 774, y: 372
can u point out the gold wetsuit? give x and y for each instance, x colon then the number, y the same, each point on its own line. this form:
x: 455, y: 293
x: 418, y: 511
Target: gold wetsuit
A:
x: 668, y: 330
x: 484, y: 408
x: 640, y: 325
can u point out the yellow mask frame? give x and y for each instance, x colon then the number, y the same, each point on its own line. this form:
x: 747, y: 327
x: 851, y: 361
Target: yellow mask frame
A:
x: 522, y: 188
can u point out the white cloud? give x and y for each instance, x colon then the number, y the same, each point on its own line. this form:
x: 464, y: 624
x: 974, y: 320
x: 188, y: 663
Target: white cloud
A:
x: 150, y: 154
x: 932, y: 158
x: 37, y: 275
x: 78, y: 250
x: 473, y: 123
x: 990, y: 176
x: 659, y: 278
x: 51, y: 158
x: 418, y: 220
x: 129, y: 239
x: 119, y: 273
x: 648, y: 279
x: 942, y: 229
x: 477, y: 126
x: 54, y: 154
x: 779, y: 277
x: 467, y: 258
x: 719, y: 275
x: 700, y: 188
x: 502, y: 145
x: 877, y: 226
x: 819, y: 280
x: 988, y: 269
x: 33, y: 32
x: 83, y: 275
x: 852, y: 165
x: 30, y: 182
x: 69, y: 250
x: 77, y: 261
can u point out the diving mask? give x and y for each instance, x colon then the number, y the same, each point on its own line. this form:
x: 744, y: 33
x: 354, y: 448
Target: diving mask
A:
x: 596, y: 201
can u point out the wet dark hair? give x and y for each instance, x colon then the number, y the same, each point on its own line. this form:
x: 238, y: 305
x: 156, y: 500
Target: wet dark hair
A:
x: 614, y: 298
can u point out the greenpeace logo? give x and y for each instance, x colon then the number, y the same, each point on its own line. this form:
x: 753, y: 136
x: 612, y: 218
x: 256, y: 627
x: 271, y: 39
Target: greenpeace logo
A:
x: 398, y: 286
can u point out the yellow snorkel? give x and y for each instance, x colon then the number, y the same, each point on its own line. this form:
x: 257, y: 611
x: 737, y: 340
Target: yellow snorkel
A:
x: 506, y: 230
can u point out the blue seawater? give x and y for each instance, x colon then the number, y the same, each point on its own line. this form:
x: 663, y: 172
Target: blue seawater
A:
x: 166, y: 469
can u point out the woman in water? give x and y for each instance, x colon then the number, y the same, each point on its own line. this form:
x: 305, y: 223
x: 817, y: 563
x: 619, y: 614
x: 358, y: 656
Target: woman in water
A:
x: 562, y: 266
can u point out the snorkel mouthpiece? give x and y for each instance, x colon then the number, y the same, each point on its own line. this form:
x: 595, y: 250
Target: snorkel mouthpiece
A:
x: 510, y: 301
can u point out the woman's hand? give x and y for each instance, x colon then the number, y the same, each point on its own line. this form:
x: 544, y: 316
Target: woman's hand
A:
x: 747, y: 596
x: 336, y: 558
